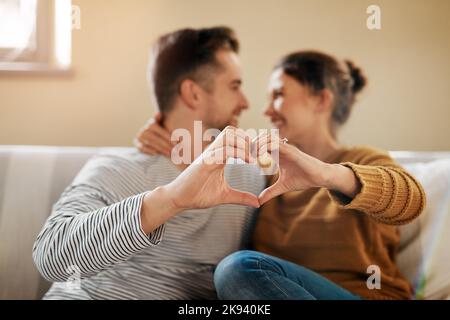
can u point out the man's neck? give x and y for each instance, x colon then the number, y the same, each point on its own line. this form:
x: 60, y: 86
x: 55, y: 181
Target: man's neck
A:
x: 187, y: 122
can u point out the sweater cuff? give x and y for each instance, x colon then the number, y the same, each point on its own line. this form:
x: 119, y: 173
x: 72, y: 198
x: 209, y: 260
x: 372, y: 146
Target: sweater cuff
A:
x: 376, y: 188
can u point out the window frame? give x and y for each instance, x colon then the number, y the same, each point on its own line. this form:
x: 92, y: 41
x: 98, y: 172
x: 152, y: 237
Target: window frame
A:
x: 43, y: 59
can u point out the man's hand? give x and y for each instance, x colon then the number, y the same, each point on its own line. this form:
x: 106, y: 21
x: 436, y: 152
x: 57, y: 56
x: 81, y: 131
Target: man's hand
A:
x: 202, y: 184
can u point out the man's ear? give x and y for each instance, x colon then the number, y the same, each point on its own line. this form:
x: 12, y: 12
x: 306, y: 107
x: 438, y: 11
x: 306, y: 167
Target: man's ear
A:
x: 325, y: 100
x: 190, y: 93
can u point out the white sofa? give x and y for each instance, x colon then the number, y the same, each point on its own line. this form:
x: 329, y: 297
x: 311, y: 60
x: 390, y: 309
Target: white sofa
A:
x: 32, y: 179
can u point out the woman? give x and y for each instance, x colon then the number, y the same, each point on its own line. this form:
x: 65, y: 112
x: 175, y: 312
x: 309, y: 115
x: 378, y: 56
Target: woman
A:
x: 328, y: 226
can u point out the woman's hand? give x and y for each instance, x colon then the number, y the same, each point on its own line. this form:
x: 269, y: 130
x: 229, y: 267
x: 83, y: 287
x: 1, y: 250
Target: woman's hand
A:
x: 300, y: 171
x: 153, y: 138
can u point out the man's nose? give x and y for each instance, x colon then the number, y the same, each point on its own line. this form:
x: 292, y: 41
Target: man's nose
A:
x: 243, y: 104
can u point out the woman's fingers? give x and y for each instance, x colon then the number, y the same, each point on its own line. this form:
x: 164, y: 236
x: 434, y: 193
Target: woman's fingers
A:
x: 266, y: 143
x: 153, y: 141
x: 158, y: 117
x: 155, y: 131
x: 155, y: 137
x: 144, y: 148
x: 162, y: 132
x: 270, y: 193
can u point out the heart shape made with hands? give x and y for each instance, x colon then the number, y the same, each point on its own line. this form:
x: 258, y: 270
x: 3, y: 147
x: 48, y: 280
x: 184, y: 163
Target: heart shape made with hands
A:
x: 265, y: 160
x: 294, y: 169
x: 268, y: 162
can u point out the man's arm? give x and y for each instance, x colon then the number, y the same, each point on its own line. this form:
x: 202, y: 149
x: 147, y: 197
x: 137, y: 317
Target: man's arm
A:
x: 84, y: 233
x: 158, y: 201
x: 87, y: 233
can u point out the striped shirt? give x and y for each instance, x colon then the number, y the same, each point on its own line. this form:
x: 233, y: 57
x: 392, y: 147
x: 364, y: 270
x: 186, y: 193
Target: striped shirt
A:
x: 93, y: 247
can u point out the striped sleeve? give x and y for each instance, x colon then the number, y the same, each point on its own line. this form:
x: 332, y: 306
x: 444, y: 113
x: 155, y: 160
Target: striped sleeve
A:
x: 86, y: 234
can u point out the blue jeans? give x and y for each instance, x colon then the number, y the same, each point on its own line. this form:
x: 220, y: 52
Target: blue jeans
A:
x: 251, y: 275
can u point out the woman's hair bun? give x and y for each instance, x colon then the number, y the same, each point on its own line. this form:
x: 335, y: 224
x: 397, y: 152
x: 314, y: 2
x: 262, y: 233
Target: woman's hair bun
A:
x: 359, y: 80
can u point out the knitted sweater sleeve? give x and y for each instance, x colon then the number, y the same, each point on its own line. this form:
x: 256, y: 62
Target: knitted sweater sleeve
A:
x: 389, y: 194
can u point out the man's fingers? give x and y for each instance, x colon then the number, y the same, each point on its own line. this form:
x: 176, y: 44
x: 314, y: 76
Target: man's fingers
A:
x: 235, y: 138
x: 220, y: 155
x: 230, y: 130
x: 265, y: 135
x: 241, y: 133
x: 237, y: 142
x: 234, y: 196
x: 230, y: 138
x: 237, y: 153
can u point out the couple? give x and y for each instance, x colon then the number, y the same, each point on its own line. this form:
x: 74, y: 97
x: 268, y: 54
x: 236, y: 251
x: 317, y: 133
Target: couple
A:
x: 134, y: 226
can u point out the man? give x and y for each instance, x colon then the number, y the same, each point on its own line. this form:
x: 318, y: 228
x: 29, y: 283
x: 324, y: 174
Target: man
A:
x: 133, y: 226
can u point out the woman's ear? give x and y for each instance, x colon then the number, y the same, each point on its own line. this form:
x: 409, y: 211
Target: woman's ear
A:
x: 190, y: 93
x: 325, y: 101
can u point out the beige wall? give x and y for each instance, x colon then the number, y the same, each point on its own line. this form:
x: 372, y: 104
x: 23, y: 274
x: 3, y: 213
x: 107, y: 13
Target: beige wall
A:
x: 406, y: 105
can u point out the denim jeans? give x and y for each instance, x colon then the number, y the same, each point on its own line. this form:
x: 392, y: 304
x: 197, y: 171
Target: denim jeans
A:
x: 251, y: 275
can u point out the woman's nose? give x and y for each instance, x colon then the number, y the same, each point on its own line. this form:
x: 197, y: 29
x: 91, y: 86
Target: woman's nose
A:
x: 269, y: 110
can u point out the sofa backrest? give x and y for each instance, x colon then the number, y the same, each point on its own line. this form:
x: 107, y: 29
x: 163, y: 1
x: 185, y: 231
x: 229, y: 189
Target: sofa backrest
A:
x: 31, y: 181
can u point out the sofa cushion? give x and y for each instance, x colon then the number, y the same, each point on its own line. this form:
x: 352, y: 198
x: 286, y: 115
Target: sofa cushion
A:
x: 424, y: 257
x: 31, y: 180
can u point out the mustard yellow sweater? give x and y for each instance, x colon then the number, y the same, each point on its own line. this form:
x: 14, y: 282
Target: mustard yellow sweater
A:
x: 340, y: 238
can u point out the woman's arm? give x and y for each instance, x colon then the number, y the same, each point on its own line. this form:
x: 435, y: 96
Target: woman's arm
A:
x: 342, y: 179
x: 373, y: 183
x: 387, y: 192
x: 153, y: 138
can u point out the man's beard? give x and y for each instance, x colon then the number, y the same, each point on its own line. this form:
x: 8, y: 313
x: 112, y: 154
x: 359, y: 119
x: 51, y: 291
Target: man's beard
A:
x: 215, y: 124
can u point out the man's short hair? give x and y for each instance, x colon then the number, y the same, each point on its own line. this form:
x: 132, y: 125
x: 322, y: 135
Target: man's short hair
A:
x: 186, y: 54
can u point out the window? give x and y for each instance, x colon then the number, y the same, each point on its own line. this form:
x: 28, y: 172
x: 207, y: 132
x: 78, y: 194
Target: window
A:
x: 35, y: 35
